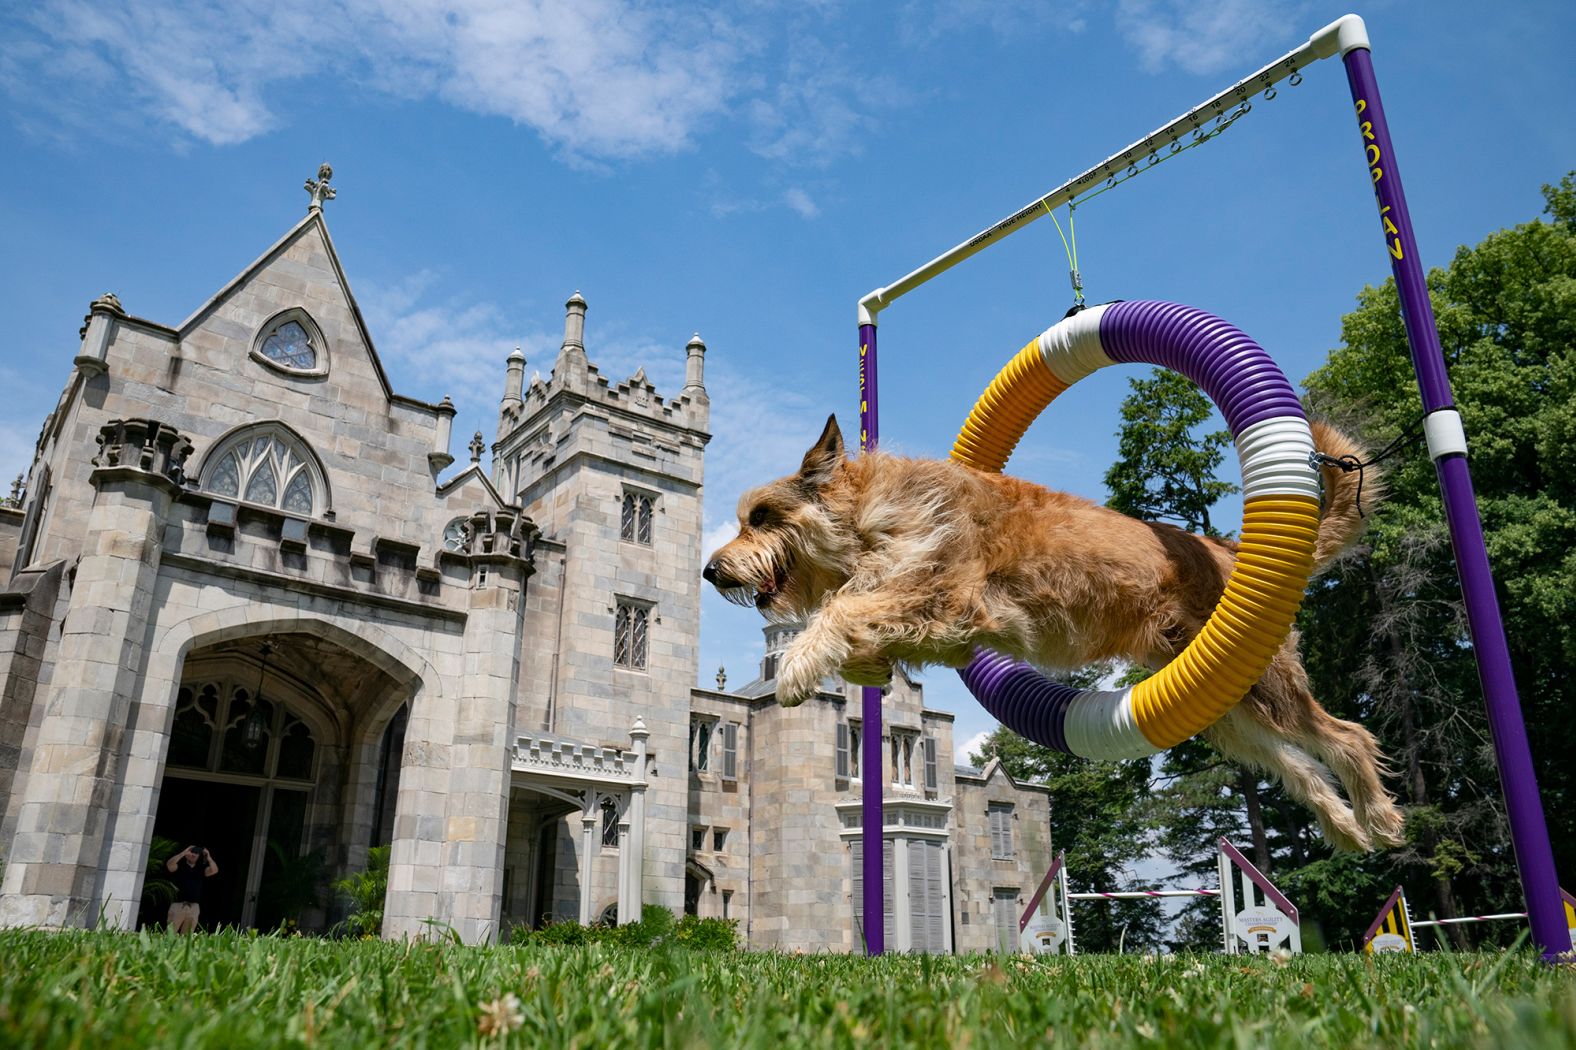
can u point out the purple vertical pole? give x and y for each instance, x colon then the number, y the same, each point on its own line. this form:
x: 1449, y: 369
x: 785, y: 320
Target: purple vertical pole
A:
x: 870, y: 767
x: 1528, y: 831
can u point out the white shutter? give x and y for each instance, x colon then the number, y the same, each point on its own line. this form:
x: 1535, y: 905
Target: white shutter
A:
x: 935, y: 889
x: 889, y: 898
x: 918, y: 912
x: 856, y: 856
x: 926, y: 899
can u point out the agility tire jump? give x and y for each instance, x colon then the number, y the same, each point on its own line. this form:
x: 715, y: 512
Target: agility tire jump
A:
x: 1280, y: 522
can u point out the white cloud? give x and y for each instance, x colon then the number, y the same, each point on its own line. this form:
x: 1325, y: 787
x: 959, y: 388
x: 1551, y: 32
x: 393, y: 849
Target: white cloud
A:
x: 1205, y: 38
x: 800, y: 201
x: 713, y: 538
x: 963, y: 750
x: 599, y: 78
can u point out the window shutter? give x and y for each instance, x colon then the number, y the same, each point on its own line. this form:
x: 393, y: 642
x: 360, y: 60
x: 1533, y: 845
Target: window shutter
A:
x: 856, y: 884
x: 888, y: 899
x: 842, y: 750
x: 730, y: 751
x: 918, y: 902
x: 936, y: 890
x: 930, y: 763
x: 856, y: 854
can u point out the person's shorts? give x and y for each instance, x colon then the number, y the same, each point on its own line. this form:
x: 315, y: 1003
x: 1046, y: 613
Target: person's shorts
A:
x: 183, y: 916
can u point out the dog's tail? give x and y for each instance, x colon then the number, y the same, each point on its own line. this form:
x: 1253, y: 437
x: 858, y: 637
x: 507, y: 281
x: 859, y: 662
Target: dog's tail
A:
x: 1348, y: 495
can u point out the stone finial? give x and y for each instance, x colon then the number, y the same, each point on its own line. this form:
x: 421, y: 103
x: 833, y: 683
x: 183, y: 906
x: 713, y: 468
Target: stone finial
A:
x: 722, y: 679
x: 477, y: 446
x: 320, y: 189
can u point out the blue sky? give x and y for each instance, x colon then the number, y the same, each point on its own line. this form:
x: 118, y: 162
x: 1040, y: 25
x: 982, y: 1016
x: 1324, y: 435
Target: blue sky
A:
x: 745, y: 169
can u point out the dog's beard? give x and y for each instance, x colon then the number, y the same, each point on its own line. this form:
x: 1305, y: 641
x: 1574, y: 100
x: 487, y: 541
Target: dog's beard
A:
x: 766, y: 593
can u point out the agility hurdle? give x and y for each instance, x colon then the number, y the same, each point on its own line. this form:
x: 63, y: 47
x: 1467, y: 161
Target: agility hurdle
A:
x: 1178, y: 705
x: 1265, y: 919
x: 1391, y: 930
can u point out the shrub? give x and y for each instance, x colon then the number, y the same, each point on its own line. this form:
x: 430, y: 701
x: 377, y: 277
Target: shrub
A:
x: 366, y: 891
x: 657, y: 926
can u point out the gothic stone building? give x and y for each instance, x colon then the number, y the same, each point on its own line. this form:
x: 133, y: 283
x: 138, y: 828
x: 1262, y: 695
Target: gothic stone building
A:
x: 251, y: 605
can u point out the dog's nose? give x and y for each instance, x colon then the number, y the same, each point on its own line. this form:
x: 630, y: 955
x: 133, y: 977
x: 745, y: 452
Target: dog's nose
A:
x: 709, y: 573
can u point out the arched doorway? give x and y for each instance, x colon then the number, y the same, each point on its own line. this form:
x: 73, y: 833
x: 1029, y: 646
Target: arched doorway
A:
x: 257, y: 768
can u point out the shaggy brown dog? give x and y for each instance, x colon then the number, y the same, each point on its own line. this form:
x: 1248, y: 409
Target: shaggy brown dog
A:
x: 915, y: 562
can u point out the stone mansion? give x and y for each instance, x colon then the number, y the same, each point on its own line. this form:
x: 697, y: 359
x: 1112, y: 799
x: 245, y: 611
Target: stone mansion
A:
x: 250, y: 601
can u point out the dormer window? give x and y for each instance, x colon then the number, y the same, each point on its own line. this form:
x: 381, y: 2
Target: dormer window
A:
x: 292, y: 343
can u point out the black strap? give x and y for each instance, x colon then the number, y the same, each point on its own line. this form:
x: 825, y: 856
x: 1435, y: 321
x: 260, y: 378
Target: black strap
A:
x: 1350, y: 463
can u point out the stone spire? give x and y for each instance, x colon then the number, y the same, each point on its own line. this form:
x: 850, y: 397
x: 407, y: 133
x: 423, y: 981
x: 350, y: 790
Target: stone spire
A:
x: 477, y: 446
x: 320, y: 189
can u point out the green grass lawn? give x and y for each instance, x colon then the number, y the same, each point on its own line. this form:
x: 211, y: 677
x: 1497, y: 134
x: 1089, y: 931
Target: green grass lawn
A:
x: 150, y: 990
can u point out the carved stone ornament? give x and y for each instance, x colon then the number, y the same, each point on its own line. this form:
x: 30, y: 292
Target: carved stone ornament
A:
x: 144, y: 444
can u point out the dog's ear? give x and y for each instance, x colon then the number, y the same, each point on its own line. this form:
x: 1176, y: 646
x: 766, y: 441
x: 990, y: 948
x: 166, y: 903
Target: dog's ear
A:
x: 825, y: 456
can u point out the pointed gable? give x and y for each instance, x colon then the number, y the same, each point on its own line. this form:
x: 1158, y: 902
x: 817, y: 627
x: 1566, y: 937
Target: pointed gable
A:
x: 299, y: 272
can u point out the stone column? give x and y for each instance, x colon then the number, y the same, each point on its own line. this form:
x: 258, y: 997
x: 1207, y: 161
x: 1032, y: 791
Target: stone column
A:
x: 587, y: 848
x: 637, y: 820
x: 59, y: 859
x: 627, y: 909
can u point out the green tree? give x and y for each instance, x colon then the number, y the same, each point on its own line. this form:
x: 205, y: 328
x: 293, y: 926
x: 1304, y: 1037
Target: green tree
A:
x: 1166, y: 470
x: 1386, y: 630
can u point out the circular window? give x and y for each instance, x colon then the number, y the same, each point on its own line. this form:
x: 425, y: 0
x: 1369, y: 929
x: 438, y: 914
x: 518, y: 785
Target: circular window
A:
x: 456, y: 534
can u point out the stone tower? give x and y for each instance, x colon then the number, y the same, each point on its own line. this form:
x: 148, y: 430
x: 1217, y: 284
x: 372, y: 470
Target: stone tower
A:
x: 612, y: 473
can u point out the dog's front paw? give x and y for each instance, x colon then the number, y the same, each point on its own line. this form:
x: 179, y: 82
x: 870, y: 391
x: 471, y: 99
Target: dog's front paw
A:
x: 794, y: 686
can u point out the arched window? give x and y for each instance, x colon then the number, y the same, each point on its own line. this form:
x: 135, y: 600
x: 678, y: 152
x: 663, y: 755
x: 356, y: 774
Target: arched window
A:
x: 292, y: 343
x: 221, y: 727
x: 629, y: 635
x: 634, y: 524
x: 609, y: 822
x: 266, y: 465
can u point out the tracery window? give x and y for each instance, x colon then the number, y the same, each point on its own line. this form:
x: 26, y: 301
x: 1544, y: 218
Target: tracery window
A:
x: 266, y: 465
x: 630, y: 625
x: 221, y: 727
x: 634, y: 523
x: 292, y: 342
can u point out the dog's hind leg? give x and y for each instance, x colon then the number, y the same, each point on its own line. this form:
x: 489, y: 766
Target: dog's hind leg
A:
x: 1239, y: 736
x: 1347, y: 748
x: 1353, y: 755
